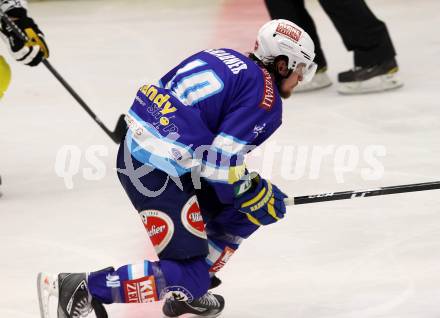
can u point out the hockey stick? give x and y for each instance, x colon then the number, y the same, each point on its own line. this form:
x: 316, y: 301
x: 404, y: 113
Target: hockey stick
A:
x: 344, y: 195
x: 121, y: 128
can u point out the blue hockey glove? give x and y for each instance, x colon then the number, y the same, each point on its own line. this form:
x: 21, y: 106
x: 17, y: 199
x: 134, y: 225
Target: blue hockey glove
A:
x: 262, y: 202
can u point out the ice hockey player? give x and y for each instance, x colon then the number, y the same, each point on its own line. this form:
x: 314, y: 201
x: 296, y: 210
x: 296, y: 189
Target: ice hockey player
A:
x: 200, y: 118
x: 30, y: 53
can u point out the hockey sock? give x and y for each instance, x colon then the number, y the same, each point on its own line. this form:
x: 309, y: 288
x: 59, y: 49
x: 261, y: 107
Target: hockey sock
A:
x: 219, y: 253
x: 150, y: 281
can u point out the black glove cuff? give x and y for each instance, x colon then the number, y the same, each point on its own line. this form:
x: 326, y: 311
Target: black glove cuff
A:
x: 20, y: 18
x: 17, y: 13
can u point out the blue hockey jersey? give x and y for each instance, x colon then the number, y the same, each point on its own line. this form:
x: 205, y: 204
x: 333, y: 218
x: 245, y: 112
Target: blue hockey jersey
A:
x: 204, y: 115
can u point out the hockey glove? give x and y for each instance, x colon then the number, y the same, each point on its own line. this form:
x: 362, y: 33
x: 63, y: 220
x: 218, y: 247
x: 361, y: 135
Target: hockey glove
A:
x: 35, y: 49
x: 262, y: 202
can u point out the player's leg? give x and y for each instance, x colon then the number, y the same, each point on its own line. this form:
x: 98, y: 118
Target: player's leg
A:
x: 368, y: 37
x: 226, y: 228
x: 295, y: 11
x: 175, y: 225
x: 185, y: 280
x: 172, y: 218
x: 226, y: 233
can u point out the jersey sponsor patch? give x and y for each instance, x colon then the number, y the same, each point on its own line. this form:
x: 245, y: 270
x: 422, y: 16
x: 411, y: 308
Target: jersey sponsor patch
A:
x: 159, y: 226
x: 289, y: 31
x: 112, y: 281
x: 192, y: 218
x: 222, y: 260
x: 268, y: 95
x: 142, y: 290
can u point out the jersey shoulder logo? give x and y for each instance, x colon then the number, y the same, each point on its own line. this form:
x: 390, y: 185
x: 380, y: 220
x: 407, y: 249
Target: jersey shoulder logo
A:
x: 259, y: 129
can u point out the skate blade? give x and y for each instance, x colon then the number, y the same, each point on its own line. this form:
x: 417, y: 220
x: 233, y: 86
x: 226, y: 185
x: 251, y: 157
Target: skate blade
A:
x: 47, y: 287
x: 373, y: 85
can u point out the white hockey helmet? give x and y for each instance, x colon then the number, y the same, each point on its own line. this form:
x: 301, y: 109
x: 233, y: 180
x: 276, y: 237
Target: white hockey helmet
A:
x: 283, y: 37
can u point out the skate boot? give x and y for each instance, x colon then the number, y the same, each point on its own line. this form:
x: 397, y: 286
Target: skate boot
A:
x: 209, y: 305
x: 376, y: 78
x: 74, y: 299
x: 319, y: 81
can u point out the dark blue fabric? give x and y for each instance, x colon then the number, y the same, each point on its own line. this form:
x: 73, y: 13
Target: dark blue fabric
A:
x: 183, y: 262
x: 183, y: 245
x: 215, y: 99
x: 187, y: 276
x: 218, y: 217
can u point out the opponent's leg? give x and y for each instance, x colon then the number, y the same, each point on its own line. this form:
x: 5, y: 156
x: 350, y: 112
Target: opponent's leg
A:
x: 363, y: 33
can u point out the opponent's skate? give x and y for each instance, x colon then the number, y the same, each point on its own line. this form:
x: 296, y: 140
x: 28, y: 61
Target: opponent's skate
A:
x: 209, y: 305
x: 376, y: 78
x: 74, y: 299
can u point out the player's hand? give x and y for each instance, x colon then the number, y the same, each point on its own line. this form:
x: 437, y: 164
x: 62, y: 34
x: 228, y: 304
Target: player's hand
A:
x: 35, y: 49
x: 262, y: 201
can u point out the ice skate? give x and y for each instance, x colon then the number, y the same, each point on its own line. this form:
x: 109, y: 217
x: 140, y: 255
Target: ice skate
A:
x: 377, y: 78
x: 74, y: 299
x: 319, y: 81
x: 209, y: 305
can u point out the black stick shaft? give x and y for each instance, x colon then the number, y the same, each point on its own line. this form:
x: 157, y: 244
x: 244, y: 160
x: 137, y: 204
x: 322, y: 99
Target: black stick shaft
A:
x: 77, y: 97
x: 118, y: 134
x: 345, y: 195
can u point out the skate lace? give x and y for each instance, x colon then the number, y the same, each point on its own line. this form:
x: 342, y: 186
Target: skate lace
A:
x: 209, y: 300
x: 82, y: 308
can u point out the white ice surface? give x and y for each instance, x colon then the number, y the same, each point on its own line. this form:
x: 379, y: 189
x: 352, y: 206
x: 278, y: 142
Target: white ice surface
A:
x: 375, y: 257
